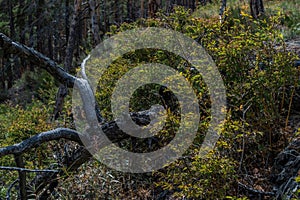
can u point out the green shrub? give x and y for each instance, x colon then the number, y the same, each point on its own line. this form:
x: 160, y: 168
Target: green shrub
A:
x: 259, y: 79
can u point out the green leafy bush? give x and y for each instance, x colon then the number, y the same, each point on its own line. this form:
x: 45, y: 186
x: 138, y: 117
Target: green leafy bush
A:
x: 18, y: 124
x: 259, y: 78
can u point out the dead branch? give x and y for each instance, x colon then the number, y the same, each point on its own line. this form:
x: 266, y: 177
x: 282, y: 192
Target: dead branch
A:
x: 42, y: 61
x: 49, y: 179
x: 22, y: 176
x: 75, y: 159
x: 25, y: 170
x: 63, y: 88
x: 37, y: 140
x: 10, y: 188
x: 250, y: 189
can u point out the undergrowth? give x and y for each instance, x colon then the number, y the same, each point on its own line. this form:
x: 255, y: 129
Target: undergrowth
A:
x: 259, y: 80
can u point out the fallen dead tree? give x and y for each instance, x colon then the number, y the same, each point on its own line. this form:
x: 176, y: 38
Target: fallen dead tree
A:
x: 45, y: 181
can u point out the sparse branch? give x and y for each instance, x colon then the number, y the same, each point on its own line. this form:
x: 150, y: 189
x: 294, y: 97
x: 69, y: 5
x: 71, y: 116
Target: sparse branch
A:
x: 37, y: 140
x: 26, y: 170
x: 263, y: 193
x: 63, y: 88
x: 56, y: 71
x: 42, y: 61
x: 46, y: 181
x: 111, y: 129
x: 22, y: 176
x: 10, y: 188
x: 45, y: 177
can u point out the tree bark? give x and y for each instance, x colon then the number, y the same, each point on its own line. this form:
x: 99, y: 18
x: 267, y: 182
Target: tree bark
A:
x: 63, y: 89
x: 257, y: 8
x: 11, y: 20
x: 10, y: 46
x: 153, y: 6
x: 142, y: 9
x: 94, y: 22
x: 22, y: 177
x: 222, y: 9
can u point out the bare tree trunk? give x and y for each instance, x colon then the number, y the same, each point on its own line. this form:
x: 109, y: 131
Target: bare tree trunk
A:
x: 31, y: 35
x: 152, y: 8
x: 116, y: 10
x: 105, y: 17
x: 50, y: 45
x: 168, y: 6
x: 130, y: 11
x: 142, y: 9
x: 72, y: 37
x: 11, y: 20
x: 22, y: 177
x: 2, y: 75
x: 67, y: 20
x: 257, y: 8
x: 39, y: 28
x: 63, y: 90
x: 222, y: 9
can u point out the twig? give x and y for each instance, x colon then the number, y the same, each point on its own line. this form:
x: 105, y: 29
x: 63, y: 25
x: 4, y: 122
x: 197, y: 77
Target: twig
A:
x: 290, y: 107
x: 10, y: 188
x: 243, y: 144
x: 26, y: 170
x: 83, y: 67
x: 37, y: 58
x: 256, y: 191
x: 37, y: 140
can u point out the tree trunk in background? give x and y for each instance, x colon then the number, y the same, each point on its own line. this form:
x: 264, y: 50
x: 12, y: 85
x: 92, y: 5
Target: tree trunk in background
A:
x: 130, y: 11
x: 2, y: 74
x: 196, y: 3
x: 45, y: 26
x: 103, y: 18
x: 257, y: 8
x: 222, y: 9
x: 39, y: 33
x: 31, y: 36
x: 67, y: 16
x: 63, y: 90
x: 7, y: 75
x: 142, y: 9
x: 72, y: 37
x: 50, y: 45
x: 11, y: 21
x: 116, y: 10
x: 153, y: 6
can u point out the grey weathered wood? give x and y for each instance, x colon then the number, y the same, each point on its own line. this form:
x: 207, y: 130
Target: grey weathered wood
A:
x: 41, y: 61
x: 48, y: 179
